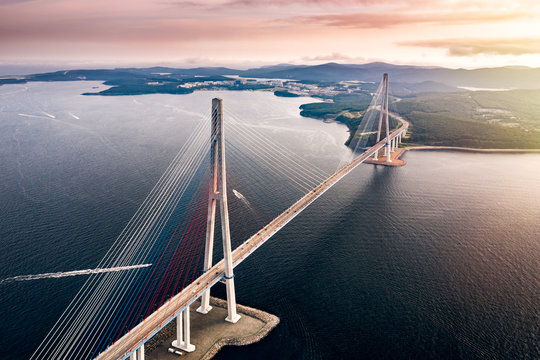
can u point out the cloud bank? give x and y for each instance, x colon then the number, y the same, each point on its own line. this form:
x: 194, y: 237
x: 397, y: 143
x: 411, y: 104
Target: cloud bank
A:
x: 471, y: 47
x: 266, y: 30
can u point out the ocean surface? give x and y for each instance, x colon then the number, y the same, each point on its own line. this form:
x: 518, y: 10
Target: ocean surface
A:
x: 439, y: 259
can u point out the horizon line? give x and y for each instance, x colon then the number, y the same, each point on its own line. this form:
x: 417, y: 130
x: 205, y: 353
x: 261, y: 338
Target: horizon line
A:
x: 47, y: 67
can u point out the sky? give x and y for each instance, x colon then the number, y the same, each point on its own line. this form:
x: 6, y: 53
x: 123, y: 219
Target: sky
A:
x: 249, y: 33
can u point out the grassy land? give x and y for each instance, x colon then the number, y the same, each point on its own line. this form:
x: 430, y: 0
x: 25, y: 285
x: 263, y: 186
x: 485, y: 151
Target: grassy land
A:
x: 140, y: 86
x: 140, y: 82
x: 12, y: 81
x: 509, y: 119
x: 285, y: 93
x: 345, y: 108
x: 481, y: 119
x: 142, y: 89
x: 352, y: 104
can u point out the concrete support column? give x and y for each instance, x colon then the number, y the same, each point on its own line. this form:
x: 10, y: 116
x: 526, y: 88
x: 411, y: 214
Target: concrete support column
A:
x: 140, y: 353
x: 393, y: 144
x: 388, y: 151
x: 227, y: 249
x: 137, y: 354
x: 375, y: 155
x: 183, y: 335
x: 224, y: 212
x: 209, y: 246
x: 213, y: 197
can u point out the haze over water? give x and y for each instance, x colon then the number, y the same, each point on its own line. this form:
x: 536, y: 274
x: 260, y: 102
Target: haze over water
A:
x: 437, y: 259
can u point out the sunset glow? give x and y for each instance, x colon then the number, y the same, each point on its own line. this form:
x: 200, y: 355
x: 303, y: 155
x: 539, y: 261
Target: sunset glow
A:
x: 246, y: 33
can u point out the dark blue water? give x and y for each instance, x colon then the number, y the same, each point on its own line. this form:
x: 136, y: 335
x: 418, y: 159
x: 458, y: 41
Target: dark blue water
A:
x: 437, y: 259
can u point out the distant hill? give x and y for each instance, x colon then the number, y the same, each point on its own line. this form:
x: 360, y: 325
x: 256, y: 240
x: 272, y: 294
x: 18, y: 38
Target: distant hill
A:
x: 403, y: 76
x: 502, y: 77
x: 270, y: 69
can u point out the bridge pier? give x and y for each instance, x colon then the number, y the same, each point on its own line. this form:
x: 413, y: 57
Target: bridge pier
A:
x: 183, y: 334
x: 137, y: 354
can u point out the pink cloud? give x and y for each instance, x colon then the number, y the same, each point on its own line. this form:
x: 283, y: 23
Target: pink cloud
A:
x: 371, y: 20
x: 253, y: 29
x: 333, y: 57
x: 468, y: 47
x: 279, y: 3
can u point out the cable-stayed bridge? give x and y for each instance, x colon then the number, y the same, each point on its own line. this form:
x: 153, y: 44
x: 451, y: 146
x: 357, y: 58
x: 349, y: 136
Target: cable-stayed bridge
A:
x: 115, y: 313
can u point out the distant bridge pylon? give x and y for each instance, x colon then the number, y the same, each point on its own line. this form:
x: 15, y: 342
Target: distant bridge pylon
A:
x: 383, y: 116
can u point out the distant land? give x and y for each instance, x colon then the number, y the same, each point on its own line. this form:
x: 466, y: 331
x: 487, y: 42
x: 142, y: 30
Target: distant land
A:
x: 439, y: 102
x: 500, y: 77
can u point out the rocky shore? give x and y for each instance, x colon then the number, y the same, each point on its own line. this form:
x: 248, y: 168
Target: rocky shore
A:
x: 469, y: 149
x: 210, y: 332
x: 271, y: 321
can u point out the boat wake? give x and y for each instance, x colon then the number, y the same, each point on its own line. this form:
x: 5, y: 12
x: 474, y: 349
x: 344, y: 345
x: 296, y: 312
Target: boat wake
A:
x: 74, y: 116
x: 71, y: 273
x: 49, y: 115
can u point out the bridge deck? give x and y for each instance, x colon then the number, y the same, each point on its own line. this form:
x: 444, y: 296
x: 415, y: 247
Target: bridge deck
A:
x: 122, y: 348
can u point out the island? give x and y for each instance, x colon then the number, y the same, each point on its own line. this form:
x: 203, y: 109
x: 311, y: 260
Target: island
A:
x: 285, y: 93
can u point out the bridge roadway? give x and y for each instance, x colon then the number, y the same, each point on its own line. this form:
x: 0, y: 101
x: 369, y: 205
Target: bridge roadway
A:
x: 127, y: 344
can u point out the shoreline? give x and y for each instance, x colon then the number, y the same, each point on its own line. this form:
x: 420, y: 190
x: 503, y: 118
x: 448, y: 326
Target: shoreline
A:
x: 270, y: 322
x: 469, y: 149
x: 210, y: 333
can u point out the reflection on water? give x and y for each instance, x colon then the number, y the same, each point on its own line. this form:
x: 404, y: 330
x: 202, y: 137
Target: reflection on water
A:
x: 437, y: 259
